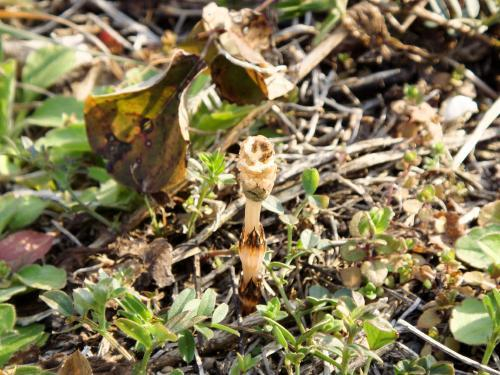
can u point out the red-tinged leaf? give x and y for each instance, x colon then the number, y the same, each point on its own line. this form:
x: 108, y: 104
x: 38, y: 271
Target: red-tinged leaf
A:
x: 142, y: 131
x: 24, y: 247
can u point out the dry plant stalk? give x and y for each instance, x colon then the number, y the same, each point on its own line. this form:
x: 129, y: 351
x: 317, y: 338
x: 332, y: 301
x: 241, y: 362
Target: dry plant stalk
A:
x: 257, y: 175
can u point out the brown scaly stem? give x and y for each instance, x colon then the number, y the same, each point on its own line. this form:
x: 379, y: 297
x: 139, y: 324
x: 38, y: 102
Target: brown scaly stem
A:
x: 257, y: 175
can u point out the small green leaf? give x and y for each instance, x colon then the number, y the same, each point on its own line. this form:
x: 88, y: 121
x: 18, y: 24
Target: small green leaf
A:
x: 28, y: 211
x: 221, y: 118
x: 63, y: 141
x: 379, y: 333
x: 309, y: 239
x: 351, y: 252
x: 7, y: 293
x: 58, y: 301
x: 319, y: 200
x: 135, y: 331
x: 470, y: 322
x: 287, y: 335
x: 205, y: 331
x: 180, y: 301
x: 318, y: 291
x: 45, y: 66
x: 273, y: 204
x: 136, y: 307
x: 83, y: 300
x: 57, y: 111
x: 31, y: 370
x: 220, y: 313
x: 186, y: 346
x: 7, y: 94
x: 381, y: 218
x: 222, y: 327
x: 491, y: 303
x: 310, y: 180
x: 19, y: 212
x: 162, y: 334
x: 480, y: 247
x: 7, y: 318
x: 280, y: 338
x: 45, y: 277
x: 19, y: 339
x: 359, y: 225
x: 391, y: 245
x: 207, y: 303
x: 289, y: 219
x: 427, y: 194
x: 192, y: 306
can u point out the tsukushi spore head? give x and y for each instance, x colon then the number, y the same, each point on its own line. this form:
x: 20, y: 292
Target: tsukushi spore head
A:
x: 257, y: 175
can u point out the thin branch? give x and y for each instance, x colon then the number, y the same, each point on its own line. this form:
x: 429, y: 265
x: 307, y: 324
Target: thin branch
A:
x: 445, y: 349
x: 490, y: 116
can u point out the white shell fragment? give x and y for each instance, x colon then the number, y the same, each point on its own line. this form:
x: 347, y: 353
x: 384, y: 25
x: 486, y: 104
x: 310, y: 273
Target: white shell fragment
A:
x: 458, y: 107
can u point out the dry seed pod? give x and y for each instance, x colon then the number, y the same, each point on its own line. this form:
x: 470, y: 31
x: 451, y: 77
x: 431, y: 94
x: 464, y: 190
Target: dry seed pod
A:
x: 257, y: 175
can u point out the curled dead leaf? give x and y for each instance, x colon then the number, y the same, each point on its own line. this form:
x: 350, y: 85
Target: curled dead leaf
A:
x: 138, y: 130
x: 239, y: 70
x: 420, y: 120
x: 237, y: 84
x: 246, y: 33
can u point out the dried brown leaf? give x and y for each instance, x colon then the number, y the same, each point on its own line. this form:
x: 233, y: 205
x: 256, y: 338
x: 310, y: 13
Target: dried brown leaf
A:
x: 351, y: 277
x: 454, y: 229
x: 429, y: 318
x: 75, y: 364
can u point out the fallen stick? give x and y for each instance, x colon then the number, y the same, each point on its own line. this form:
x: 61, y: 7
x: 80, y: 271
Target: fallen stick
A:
x: 445, y: 349
x: 318, y: 54
x: 490, y: 116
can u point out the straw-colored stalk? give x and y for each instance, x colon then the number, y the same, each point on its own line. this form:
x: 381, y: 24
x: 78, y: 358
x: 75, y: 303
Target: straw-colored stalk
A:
x: 257, y: 174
